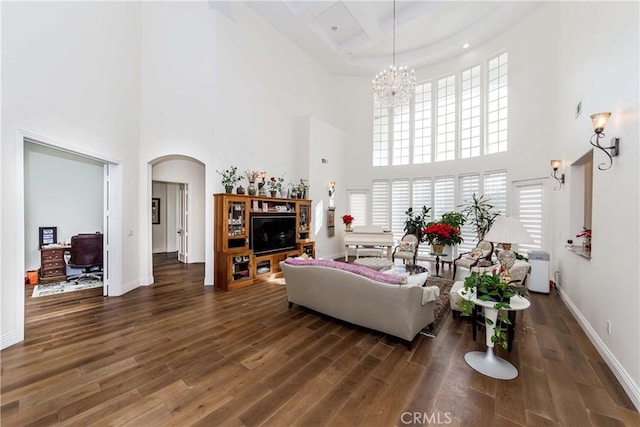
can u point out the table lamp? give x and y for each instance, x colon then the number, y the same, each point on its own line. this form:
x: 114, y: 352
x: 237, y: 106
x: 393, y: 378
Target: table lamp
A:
x: 507, y: 230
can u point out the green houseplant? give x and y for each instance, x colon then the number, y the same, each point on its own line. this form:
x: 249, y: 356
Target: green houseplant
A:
x: 454, y: 219
x: 414, y: 224
x: 492, y: 287
x: 229, y: 178
x: 480, y: 213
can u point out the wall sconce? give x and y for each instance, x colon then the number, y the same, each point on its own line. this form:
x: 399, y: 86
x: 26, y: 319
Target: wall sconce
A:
x: 599, y: 123
x: 555, y: 164
x: 332, y: 188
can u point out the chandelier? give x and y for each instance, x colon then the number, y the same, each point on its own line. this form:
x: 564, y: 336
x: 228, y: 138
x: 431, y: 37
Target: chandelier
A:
x: 395, y: 86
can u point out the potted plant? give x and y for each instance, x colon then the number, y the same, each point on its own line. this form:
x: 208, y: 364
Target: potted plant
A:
x: 586, y: 235
x: 414, y: 224
x: 454, y: 219
x: 479, y: 212
x: 302, y: 189
x: 229, y: 178
x: 440, y: 235
x: 347, y: 219
x: 492, y: 287
x: 275, y: 185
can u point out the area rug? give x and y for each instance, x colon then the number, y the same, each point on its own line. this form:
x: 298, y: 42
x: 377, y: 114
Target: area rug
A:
x: 62, y: 287
x: 442, y: 308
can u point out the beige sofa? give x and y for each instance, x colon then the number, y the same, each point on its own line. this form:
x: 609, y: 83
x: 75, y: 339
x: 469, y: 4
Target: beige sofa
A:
x: 401, y: 310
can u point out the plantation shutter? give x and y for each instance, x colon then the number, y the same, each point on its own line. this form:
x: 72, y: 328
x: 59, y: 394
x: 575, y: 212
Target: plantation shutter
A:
x: 380, y: 204
x: 357, y: 206
x: 399, y: 205
x: 495, y: 188
x: 528, y: 207
x: 468, y: 186
x: 444, y: 196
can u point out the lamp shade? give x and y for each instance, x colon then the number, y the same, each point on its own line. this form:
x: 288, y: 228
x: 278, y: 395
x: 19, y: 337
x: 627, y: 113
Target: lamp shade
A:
x: 555, y: 164
x: 508, y: 230
x: 599, y: 121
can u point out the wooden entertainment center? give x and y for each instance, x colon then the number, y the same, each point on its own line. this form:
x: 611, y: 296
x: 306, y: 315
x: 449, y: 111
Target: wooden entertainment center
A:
x: 235, y: 264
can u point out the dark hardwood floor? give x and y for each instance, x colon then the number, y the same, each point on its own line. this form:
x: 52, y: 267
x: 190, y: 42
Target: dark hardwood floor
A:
x: 178, y: 353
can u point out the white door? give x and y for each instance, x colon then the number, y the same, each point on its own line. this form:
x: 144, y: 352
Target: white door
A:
x: 105, y: 242
x: 183, y: 222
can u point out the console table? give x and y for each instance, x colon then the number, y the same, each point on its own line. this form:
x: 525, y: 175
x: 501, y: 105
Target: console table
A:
x: 488, y: 363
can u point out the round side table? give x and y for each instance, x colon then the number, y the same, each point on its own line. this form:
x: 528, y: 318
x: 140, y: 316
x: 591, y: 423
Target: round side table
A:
x: 488, y: 363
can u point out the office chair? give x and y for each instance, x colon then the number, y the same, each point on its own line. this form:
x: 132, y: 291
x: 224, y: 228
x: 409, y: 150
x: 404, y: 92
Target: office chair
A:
x: 86, y: 253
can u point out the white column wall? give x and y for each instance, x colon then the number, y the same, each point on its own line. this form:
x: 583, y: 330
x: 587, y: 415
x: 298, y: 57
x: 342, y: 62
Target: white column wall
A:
x: 69, y: 72
x: 598, y: 64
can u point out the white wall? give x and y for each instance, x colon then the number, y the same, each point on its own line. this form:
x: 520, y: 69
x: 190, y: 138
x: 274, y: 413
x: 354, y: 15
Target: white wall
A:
x: 191, y: 173
x: 600, y: 66
x: 70, y: 71
x: 325, y: 142
x: 60, y: 190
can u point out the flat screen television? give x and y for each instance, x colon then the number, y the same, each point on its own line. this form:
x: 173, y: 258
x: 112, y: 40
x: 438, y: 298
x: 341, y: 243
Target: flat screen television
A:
x: 272, y: 233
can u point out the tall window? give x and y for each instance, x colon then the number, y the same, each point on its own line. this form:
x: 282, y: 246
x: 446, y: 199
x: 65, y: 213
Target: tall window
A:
x: 422, y: 124
x: 421, y: 195
x: 528, y: 207
x: 380, y: 135
x: 446, y: 119
x: 401, y: 135
x: 399, y: 204
x: 380, y: 214
x: 357, y: 201
x: 443, y: 196
x: 495, y: 188
x: 462, y: 115
x: 468, y: 185
x: 497, y: 103
x: 470, y: 113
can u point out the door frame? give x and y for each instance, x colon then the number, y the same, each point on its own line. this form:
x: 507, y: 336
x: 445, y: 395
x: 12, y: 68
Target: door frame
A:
x: 113, y: 221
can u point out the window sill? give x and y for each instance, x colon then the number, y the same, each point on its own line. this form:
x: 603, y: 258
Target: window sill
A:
x: 578, y: 250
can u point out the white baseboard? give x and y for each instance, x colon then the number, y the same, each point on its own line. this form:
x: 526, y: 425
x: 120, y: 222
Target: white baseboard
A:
x: 628, y: 384
x: 128, y: 287
x: 9, y: 339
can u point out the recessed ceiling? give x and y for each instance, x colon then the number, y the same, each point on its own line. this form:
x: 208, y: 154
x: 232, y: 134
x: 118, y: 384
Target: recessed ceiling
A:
x: 356, y: 37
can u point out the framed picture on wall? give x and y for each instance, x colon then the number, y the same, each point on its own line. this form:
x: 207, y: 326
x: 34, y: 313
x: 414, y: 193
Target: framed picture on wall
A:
x: 155, y: 210
x: 48, y: 235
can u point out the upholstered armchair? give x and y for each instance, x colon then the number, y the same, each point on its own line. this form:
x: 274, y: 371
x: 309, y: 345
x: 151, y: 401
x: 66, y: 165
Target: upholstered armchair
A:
x: 407, y: 249
x: 483, y: 251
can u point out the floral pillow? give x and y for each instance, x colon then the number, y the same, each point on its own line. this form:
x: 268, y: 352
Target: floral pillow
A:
x: 407, y: 246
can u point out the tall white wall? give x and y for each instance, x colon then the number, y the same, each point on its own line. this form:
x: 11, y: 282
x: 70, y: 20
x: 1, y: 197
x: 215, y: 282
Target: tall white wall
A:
x: 601, y: 67
x: 225, y: 91
x: 60, y: 190
x: 325, y: 142
x: 70, y: 72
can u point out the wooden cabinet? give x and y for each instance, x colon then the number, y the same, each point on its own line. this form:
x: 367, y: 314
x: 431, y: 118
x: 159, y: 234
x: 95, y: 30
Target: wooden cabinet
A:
x: 52, y: 265
x: 235, y: 264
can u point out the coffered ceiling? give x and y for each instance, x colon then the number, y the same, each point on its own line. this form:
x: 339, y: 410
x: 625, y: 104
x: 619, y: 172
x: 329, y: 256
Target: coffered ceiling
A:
x: 356, y: 37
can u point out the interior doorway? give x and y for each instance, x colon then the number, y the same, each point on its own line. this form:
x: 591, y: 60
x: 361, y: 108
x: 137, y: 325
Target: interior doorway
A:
x: 177, y: 183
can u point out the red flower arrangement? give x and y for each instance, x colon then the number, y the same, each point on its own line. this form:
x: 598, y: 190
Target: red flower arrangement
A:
x: 347, y: 219
x: 441, y: 234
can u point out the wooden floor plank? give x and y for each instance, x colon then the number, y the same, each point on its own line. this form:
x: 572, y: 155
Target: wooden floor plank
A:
x: 178, y: 353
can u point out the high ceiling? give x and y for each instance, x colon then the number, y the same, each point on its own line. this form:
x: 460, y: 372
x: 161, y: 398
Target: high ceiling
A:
x: 356, y: 37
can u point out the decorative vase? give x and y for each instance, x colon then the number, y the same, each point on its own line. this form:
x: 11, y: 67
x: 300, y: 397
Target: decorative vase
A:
x: 228, y: 189
x: 283, y: 193
x: 274, y: 193
x: 294, y: 194
x: 261, y: 190
x: 347, y: 226
x: 437, y: 249
x: 240, y: 189
x: 251, y: 190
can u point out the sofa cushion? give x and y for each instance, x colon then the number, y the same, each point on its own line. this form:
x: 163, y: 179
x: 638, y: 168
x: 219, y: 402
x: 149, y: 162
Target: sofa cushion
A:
x: 392, y: 279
